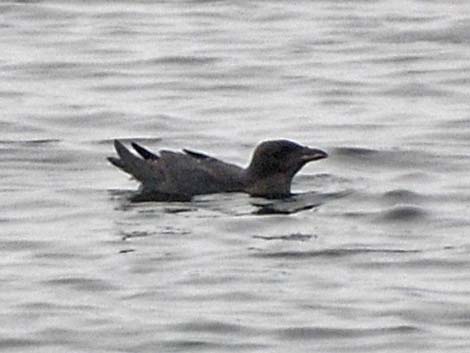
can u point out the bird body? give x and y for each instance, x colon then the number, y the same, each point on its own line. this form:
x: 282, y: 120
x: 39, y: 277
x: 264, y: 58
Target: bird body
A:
x: 181, y: 175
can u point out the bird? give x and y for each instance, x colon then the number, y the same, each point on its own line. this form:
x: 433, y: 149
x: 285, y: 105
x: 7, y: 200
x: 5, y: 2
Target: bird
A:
x: 178, y: 176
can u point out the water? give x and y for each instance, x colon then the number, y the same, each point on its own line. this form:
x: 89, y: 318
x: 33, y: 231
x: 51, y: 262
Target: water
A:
x: 380, y: 264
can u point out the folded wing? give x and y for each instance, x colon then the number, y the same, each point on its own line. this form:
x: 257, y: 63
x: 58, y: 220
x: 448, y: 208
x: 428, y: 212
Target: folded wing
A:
x: 174, y: 173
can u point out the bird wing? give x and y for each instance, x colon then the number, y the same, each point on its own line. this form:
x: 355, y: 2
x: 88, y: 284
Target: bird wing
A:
x: 197, y: 173
x: 188, y: 173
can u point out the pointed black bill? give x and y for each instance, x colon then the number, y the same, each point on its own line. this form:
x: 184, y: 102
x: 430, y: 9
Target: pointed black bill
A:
x: 313, y: 154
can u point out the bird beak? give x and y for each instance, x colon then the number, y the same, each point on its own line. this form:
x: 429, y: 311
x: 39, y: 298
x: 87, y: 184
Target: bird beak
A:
x: 312, y: 154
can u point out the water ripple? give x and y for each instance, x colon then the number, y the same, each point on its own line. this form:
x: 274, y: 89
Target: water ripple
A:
x: 310, y: 333
x: 376, y: 259
x: 330, y: 253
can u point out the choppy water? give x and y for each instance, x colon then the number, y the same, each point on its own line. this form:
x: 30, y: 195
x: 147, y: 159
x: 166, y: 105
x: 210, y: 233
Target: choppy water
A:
x: 381, y: 264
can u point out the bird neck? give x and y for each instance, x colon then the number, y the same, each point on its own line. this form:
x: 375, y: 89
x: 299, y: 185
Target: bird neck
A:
x: 271, y: 186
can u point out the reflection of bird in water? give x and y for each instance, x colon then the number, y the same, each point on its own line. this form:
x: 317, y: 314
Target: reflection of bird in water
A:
x: 179, y: 176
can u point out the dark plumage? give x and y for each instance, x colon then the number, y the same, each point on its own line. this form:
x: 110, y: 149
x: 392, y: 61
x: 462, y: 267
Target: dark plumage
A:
x: 179, y: 176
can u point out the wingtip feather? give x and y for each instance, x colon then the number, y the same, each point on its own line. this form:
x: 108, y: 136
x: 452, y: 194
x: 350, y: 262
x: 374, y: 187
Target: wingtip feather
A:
x: 115, y: 161
x: 132, y: 164
x: 143, y: 152
x: 121, y: 150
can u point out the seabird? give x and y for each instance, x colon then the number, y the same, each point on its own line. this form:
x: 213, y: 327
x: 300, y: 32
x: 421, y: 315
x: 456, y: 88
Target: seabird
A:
x: 178, y: 176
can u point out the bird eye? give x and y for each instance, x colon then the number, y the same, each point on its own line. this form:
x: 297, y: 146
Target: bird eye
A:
x: 282, y: 152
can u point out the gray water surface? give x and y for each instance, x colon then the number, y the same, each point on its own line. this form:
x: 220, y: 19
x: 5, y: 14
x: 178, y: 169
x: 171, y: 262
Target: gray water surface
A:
x: 378, y: 261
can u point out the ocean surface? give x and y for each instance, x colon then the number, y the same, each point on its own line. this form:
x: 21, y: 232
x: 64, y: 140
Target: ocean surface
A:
x: 372, y: 255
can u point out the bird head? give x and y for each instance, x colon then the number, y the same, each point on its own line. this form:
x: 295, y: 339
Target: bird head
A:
x: 282, y: 156
x: 275, y: 162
